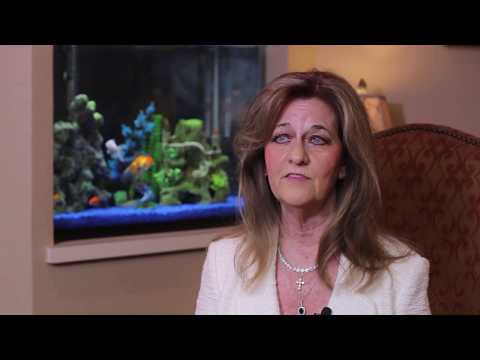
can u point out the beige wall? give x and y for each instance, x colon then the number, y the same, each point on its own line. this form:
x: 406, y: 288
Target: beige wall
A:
x: 15, y: 181
x: 277, y: 61
x: 156, y: 284
x: 429, y: 84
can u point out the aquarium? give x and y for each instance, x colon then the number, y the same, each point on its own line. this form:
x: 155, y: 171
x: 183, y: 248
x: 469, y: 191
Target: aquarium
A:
x: 143, y: 136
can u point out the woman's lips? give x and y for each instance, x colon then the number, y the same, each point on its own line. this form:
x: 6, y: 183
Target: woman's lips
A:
x: 296, y: 177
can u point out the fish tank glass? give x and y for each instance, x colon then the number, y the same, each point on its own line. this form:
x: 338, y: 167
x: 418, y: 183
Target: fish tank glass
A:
x: 143, y: 136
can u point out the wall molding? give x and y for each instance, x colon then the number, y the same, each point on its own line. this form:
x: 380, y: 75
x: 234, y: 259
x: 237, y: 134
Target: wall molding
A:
x: 119, y: 247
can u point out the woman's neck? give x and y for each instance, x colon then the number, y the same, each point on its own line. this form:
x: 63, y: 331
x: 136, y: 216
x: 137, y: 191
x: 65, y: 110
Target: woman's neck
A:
x: 301, y: 232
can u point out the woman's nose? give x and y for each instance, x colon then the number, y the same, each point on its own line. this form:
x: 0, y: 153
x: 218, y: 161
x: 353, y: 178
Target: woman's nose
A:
x: 298, y: 155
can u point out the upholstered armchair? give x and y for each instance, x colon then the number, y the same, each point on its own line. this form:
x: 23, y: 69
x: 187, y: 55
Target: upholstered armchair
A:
x: 430, y: 178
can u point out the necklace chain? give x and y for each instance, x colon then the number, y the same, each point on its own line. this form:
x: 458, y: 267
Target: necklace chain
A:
x: 301, y: 309
x: 294, y: 268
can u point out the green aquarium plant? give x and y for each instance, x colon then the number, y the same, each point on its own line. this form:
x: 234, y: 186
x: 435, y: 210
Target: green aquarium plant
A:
x: 191, y: 170
x: 168, y: 167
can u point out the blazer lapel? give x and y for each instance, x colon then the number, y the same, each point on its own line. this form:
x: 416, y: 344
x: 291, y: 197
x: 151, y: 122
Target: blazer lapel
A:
x: 344, y: 300
x: 262, y: 299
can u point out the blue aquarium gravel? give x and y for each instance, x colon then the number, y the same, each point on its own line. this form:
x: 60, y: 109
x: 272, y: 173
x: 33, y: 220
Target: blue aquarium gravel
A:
x: 112, y: 216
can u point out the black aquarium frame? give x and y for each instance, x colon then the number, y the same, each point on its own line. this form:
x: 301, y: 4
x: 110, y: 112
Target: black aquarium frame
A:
x: 61, y: 235
x: 61, y: 91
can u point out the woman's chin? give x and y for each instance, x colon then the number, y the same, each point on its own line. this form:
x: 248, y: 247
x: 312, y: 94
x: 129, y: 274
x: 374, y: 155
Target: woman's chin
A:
x: 298, y: 201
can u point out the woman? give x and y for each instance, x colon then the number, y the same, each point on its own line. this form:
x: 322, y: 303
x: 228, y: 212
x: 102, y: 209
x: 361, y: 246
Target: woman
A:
x: 311, y: 240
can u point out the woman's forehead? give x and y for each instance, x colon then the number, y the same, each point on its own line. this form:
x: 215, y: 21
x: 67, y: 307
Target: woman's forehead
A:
x: 307, y: 113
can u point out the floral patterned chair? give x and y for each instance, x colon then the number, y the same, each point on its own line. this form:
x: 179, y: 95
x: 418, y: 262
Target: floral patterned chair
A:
x: 430, y: 177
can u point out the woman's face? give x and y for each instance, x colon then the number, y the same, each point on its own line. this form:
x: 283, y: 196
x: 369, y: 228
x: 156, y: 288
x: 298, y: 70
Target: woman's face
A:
x: 303, y: 156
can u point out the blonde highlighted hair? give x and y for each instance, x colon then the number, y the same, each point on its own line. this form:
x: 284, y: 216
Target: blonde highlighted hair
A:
x: 355, y: 230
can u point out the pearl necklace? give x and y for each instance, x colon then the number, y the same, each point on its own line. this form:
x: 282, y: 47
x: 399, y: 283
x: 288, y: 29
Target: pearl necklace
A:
x: 301, y: 310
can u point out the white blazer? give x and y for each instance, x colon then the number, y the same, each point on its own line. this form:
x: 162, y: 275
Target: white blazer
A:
x: 402, y: 289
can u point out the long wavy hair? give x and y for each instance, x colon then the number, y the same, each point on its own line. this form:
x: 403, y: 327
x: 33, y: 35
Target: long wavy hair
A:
x: 356, y: 228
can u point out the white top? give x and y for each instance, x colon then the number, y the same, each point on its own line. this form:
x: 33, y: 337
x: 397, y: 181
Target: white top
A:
x: 402, y: 289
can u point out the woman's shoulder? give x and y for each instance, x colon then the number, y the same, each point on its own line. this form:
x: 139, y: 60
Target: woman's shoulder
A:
x: 407, y: 275
x: 406, y: 255
x: 406, y: 264
x: 225, y: 247
x: 221, y: 256
x: 408, y: 279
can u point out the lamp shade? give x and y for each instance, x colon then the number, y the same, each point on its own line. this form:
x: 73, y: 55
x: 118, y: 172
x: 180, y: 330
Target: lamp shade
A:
x: 378, y: 112
x: 377, y: 108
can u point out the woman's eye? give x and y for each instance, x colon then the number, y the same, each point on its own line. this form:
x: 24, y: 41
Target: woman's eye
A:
x: 318, y: 140
x: 281, y: 139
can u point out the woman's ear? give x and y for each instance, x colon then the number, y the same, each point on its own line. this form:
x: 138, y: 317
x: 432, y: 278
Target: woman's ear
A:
x: 342, y: 173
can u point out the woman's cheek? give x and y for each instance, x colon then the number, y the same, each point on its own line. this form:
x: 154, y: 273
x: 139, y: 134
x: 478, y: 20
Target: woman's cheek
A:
x: 273, y: 157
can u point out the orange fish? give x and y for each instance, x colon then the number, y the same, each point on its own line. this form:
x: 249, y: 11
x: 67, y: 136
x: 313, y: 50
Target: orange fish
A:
x: 57, y: 197
x: 94, y: 200
x: 141, y: 162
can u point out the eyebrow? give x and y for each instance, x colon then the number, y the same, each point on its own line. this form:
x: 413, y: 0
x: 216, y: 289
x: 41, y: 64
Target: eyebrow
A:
x: 316, y: 127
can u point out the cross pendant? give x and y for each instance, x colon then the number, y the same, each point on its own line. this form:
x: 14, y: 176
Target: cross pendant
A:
x: 300, y: 283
